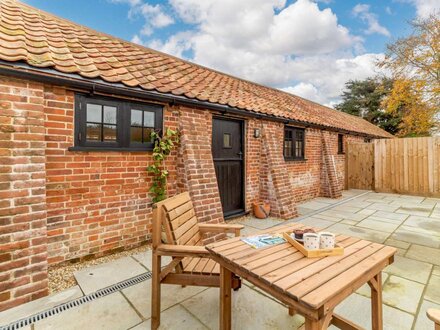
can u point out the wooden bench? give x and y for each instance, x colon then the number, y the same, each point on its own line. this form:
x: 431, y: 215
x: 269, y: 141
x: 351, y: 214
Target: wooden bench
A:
x: 434, y: 315
x: 177, y: 233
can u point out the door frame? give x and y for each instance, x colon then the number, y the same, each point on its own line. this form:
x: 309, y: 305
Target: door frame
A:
x: 242, y: 123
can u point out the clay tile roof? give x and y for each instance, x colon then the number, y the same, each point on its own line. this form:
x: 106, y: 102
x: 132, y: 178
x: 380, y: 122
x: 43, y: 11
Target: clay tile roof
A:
x: 43, y: 40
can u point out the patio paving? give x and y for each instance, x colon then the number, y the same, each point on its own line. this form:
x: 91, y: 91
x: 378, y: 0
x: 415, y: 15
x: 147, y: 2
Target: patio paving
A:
x: 411, y: 284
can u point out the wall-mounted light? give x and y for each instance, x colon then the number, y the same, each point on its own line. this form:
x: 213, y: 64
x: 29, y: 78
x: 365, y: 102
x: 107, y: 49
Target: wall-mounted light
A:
x: 257, y: 133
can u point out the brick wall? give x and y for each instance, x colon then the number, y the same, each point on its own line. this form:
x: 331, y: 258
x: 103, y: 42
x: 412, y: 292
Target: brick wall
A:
x: 58, y: 205
x: 23, y: 249
x: 285, y: 183
x: 96, y: 201
x: 196, y: 166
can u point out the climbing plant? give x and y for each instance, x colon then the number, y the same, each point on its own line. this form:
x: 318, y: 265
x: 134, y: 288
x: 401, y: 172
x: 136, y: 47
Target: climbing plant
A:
x: 163, y: 145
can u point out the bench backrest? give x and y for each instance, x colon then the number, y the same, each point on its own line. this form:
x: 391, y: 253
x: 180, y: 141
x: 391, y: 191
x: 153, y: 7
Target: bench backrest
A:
x: 179, y: 221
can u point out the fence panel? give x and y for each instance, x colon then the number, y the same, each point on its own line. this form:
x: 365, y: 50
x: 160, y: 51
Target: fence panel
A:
x: 407, y: 166
x: 359, y: 166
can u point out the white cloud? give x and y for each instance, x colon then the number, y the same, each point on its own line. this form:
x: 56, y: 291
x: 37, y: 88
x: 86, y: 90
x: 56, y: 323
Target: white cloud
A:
x: 305, y: 90
x: 298, y: 47
x: 363, y: 12
x: 137, y: 40
x: 175, y: 45
x: 426, y: 7
x: 153, y: 15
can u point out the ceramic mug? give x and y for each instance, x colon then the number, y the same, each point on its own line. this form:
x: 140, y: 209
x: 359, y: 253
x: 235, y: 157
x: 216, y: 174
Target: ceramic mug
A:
x: 326, y: 240
x: 311, y: 241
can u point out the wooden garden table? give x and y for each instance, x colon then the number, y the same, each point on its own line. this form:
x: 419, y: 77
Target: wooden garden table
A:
x: 312, y: 287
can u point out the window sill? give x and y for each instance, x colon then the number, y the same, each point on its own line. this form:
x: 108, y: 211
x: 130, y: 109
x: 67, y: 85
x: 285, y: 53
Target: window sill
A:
x: 106, y: 149
x: 295, y: 159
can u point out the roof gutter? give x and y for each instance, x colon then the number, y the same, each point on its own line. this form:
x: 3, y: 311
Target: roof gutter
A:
x: 44, y: 75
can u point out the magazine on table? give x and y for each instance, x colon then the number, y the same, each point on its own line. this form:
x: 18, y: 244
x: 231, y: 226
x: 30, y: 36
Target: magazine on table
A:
x: 261, y: 241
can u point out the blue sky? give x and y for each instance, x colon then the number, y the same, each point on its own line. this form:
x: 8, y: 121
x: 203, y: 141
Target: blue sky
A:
x: 309, y: 48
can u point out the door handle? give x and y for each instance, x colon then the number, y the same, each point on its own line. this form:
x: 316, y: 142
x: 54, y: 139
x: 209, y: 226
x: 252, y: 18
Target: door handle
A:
x: 240, y: 154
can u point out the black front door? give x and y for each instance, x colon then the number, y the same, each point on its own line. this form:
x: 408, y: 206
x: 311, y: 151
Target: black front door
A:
x: 227, y: 151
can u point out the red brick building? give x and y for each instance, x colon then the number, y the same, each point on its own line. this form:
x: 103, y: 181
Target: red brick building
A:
x: 76, y: 110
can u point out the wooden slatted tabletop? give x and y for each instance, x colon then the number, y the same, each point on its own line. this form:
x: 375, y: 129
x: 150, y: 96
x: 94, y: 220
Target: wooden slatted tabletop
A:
x: 310, y: 286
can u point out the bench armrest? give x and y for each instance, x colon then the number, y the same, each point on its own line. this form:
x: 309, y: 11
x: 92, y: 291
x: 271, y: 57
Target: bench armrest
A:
x: 182, y: 251
x: 434, y: 315
x: 220, y: 228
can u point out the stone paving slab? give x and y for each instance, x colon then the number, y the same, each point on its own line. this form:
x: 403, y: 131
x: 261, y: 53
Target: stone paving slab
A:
x: 314, y: 205
x: 357, y: 309
x: 39, y: 305
x: 424, y: 253
x: 101, y: 276
x: 364, y: 233
x: 411, y: 235
x: 426, y: 223
x: 378, y: 225
x: 109, y: 312
x: 410, y: 269
x: 250, y: 310
x: 139, y: 296
x: 402, y: 293
x: 261, y: 223
x: 382, y: 219
x: 398, y: 244
x: 410, y: 284
x: 422, y: 322
x: 421, y: 210
x: 433, y: 289
x: 344, y: 215
x: 176, y: 317
x: 382, y: 207
x: 391, y: 216
x: 146, y: 259
x: 316, y: 222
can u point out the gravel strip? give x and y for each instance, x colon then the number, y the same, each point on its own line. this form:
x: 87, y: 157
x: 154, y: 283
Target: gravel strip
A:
x: 61, y: 277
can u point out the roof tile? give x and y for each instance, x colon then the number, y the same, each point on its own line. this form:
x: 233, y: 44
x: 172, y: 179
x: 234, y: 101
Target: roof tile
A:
x: 44, y: 40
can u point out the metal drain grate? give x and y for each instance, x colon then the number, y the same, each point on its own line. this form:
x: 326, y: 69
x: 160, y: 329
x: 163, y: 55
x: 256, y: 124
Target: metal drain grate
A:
x: 77, y: 302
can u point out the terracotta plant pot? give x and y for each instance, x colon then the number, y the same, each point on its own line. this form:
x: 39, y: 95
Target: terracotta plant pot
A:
x: 261, y: 210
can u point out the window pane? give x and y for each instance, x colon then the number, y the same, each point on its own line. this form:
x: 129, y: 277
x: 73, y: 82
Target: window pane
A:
x: 148, y: 119
x: 136, y: 134
x: 147, y: 135
x: 299, y: 135
x: 227, y: 140
x: 288, y: 149
x: 93, y: 132
x: 109, y: 115
x: 299, y: 151
x: 136, y: 118
x: 109, y: 132
x: 94, y: 113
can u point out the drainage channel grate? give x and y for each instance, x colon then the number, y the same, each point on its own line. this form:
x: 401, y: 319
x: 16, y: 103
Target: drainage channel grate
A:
x: 77, y: 302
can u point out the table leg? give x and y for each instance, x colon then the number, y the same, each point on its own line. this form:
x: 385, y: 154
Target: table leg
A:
x: 376, y: 302
x: 320, y: 324
x: 225, y: 298
x: 311, y: 325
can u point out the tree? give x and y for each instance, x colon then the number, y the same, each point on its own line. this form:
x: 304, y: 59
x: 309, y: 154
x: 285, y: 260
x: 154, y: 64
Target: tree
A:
x: 364, y: 98
x: 406, y: 100
x: 414, y: 63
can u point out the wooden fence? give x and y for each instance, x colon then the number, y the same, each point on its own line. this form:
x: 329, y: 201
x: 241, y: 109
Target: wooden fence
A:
x: 360, y: 165
x: 407, y: 166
